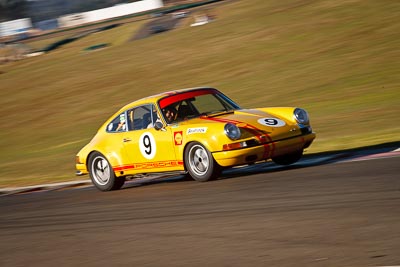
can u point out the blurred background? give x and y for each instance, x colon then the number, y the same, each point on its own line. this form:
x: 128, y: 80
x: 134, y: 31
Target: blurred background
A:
x: 66, y: 66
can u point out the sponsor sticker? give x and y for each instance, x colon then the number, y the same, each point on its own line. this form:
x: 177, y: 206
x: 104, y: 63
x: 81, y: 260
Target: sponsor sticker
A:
x: 178, y: 138
x: 122, y: 118
x: 200, y: 130
x: 110, y: 127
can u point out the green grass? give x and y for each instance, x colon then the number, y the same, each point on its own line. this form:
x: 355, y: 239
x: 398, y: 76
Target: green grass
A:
x: 338, y: 59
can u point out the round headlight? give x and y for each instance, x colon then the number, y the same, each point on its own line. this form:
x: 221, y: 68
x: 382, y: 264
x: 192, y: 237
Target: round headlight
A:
x: 232, y: 131
x: 301, y: 116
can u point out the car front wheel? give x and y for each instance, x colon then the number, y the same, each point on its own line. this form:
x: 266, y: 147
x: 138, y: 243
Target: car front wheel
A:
x: 102, y: 174
x: 200, y: 164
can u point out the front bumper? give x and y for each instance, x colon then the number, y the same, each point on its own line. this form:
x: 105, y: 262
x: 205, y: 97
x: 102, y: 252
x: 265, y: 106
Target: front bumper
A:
x: 263, y: 151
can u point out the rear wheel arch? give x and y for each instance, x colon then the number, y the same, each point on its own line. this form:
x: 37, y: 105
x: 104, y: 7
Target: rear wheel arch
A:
x: 88, y: 158
x: 103, y: 177
x: 112, y: 161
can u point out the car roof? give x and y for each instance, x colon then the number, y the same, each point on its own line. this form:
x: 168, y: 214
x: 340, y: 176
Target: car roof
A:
x: 156, y: 97
x: 151, y: 99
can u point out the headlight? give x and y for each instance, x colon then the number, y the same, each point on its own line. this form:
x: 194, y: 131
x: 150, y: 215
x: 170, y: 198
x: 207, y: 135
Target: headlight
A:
x: 301, y: 116
x: 232, y: 131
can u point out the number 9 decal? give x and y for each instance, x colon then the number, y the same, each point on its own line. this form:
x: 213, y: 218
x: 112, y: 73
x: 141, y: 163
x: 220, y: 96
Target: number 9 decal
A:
x: 147, y: 145
x: 271, y: 122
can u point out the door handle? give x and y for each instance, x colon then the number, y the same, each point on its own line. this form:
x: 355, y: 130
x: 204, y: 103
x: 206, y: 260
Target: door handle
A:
x: 126, y: 140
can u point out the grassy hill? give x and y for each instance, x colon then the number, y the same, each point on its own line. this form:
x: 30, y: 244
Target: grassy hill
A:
x: 340, y: 60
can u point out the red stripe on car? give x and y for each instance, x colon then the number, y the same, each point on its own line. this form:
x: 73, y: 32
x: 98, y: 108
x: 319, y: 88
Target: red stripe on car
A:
x: 149, y: 165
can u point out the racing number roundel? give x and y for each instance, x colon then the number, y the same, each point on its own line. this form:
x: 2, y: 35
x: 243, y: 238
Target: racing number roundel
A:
x: 147, y: 145
x: 272, y: 122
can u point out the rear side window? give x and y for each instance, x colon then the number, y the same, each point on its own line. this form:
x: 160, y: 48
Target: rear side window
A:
x: 118, y: 124
x: 141, y: 117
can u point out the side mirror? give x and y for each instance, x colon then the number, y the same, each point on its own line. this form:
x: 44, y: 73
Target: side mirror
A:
x: 158, y: 125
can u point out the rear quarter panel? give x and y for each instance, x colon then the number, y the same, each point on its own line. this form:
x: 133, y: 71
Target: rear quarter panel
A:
x: 108, y: 144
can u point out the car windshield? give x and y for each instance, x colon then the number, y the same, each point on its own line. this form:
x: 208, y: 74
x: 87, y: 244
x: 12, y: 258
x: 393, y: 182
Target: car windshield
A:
x: 196, y: 103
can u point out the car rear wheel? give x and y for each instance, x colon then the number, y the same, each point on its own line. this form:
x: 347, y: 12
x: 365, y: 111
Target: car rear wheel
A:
x: 102, y: 174
x: 288, y: 158
x: 199, y: 163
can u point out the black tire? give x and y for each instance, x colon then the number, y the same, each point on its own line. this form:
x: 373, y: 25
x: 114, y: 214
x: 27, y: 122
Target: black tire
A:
x: 102, y: 174
x: 288, y: 158
x: 199, y: 163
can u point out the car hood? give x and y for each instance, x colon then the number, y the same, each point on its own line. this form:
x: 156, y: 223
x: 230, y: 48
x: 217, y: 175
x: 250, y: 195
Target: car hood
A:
x: 255, y: 122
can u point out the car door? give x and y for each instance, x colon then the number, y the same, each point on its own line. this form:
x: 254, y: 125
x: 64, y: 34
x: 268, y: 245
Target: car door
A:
x: 148, y: 149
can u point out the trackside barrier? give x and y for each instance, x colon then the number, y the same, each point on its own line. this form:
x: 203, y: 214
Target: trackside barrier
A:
x: 74, y: 38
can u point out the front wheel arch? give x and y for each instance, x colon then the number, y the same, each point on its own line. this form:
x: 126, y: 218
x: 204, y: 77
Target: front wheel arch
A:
x: 196, y: 153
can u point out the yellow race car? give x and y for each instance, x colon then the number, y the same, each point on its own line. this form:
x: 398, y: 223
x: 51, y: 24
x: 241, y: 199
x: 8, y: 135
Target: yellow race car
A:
x: 197, y: 131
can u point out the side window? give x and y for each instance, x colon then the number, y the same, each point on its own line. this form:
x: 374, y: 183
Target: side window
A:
x: 141, y: 117
x: 118, y: 124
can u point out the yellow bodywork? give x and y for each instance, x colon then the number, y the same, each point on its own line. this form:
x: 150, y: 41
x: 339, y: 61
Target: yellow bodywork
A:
x: 151, y: 150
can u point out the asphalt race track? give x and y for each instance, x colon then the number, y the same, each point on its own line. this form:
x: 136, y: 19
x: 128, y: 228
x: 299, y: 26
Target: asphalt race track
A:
x: 328, y: 214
